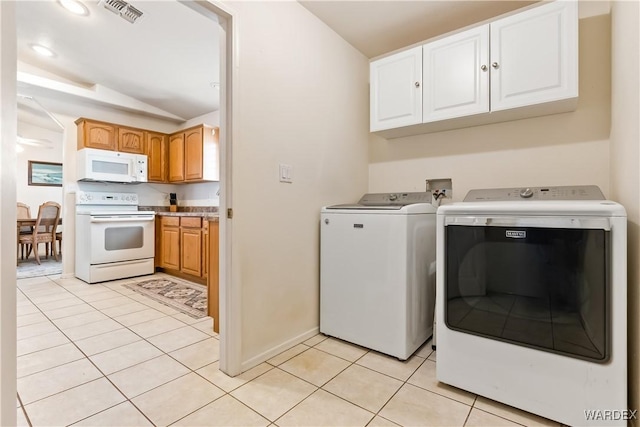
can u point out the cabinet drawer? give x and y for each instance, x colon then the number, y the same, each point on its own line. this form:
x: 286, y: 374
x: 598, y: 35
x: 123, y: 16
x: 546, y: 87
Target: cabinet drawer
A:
x: 187, y: 221
x: 171, y: 221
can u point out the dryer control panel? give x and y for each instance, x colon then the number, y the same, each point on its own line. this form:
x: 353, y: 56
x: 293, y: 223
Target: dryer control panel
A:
x: 572, y: 192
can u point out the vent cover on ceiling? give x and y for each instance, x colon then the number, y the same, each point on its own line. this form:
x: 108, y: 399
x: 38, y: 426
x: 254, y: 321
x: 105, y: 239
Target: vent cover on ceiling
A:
x: 122, y: 9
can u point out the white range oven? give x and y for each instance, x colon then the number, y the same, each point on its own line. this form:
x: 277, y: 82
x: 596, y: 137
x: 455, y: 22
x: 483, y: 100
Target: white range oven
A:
x: 113, y: 239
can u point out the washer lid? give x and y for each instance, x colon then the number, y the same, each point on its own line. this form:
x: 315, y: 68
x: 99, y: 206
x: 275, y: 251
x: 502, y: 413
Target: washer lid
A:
x: 387, y: 201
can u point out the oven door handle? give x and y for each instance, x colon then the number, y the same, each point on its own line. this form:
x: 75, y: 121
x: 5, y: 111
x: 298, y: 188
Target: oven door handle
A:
x: 535, y: 222
x: 123, y: 219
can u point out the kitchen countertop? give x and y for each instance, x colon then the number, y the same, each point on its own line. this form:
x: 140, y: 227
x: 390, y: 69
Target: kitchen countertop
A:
x: 205, y: 215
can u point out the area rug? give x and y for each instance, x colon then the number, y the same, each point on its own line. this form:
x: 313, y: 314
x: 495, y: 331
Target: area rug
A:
x: 189, y: 298
x: 30, y: 268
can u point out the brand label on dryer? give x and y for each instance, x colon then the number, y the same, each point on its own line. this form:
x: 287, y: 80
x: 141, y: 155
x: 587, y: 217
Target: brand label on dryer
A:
x: 516, y: 234
x: 358, y: 225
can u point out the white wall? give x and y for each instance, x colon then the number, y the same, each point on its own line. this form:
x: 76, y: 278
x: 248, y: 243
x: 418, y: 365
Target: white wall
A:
x: 625, y: 163
x: 563, y: 149
x: 301, y: 99
x: 35, y: 195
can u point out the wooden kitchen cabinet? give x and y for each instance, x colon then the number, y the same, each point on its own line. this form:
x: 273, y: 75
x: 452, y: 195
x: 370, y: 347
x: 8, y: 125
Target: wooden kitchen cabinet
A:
x: 170, y: 242
x: 96, y: 134
x: 205, y: 248
x: 194, y: 155
x: 191, y: 245
x: 131, y: 140
x: 156, y: 144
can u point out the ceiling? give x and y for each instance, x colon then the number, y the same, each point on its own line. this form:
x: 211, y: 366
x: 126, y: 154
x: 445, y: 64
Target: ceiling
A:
x: 166, y: 65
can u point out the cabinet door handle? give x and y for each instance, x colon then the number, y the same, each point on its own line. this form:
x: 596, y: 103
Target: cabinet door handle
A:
x: 417, y: 84
x: 483, y: 68
x: 495, y: 65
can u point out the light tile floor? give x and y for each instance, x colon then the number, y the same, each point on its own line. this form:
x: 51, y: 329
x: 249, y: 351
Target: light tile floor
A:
x: 103, y: 355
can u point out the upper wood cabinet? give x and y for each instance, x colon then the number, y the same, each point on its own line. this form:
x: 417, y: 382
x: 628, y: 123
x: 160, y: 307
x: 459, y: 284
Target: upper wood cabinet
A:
x: 156, y: 144
x: 522, y: 65
x: 396, y: 90
x: 131, y: 140
x: 95, y: 134
x: 194, y: 155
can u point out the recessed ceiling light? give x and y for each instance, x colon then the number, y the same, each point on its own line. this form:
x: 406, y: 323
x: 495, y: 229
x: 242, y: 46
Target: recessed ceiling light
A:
x: 75, y: 7
x: 43, y: 50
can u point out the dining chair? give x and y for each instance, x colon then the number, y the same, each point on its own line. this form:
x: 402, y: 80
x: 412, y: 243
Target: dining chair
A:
x: 44, y: 230
x: 23, y: 212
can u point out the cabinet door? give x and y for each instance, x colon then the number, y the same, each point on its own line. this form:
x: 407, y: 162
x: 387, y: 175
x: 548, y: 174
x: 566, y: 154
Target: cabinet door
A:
x: 534, y: 56
x: 456, y: 75
x: 130, y: 140
x: 100, y: 135
x: 171, y: 247
x: 176, y: 157
x: 191, y: 251
x: 396, y: 90
x: 193, y: 149
x: 157, y: 155
x: 205, y: 248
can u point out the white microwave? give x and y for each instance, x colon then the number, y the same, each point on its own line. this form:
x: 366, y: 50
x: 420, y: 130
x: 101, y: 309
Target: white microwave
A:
x: 111, y: 166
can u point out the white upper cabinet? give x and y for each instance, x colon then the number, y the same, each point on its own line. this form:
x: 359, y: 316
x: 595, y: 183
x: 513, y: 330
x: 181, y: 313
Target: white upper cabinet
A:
x: 456, y: 75
x: 522, y: 65
x: 396, y: 90
x: 534, y: 56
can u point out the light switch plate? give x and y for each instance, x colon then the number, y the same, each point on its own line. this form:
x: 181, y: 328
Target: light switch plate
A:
x: 286, y: 173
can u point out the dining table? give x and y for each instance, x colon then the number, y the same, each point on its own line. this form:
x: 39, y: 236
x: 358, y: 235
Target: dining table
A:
x: 28, y: 222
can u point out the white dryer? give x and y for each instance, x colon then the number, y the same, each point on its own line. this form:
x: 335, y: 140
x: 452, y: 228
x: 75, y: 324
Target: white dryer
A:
x: 377, y: 272
x: 532, y: 301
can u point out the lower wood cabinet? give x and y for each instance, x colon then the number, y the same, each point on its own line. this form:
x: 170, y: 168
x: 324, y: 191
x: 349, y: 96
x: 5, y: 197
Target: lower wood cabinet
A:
x: 191, y: 253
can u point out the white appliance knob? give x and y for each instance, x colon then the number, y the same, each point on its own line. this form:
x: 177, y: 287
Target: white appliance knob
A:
x: 525, y: 193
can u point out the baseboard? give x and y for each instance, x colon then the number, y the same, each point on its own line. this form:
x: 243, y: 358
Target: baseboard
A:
x: 274, y: 351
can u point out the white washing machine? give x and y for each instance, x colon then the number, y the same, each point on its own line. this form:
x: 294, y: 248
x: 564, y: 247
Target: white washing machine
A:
x: 532, y: 301
x: 377, y: 272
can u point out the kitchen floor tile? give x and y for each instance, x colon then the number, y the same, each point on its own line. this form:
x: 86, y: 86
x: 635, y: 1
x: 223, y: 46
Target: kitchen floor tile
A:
x: 325, y: 409
x: 92, y: 329
x: 378, y: 421
x: 122, y: 415
x: 79, y: 320
x: 433, y: 356
x: 123, y: 357
x: 391, y: 366
x: 115, y: 301
x: 147, y: 375
x: 511, y: 413
x: 224, y: 412
x: 287, y: 354
x: 139, y: 317
x: 30, y: 331
x: 107, y: 341
x: 227, y: 383
x: 72, y: 310
x: 30, y: 319
x: 186, y: 319
x: 46, y: 383
x: 27, y: 308
x: 41, y: 342
x: 197, y: 355
x: 364, y: 387
x: 21, y: 419
x: 156, y: 326
x: 172, y: 401
x: 425, y: 350
x: 425, y: 377
x: 99, y: 296
x: 315, y: 366
x: 75, y: 404
x: 342, y: 349
x: 273, y: 393
x: 68, y: 301
x: 45, y: 359
x: 121, y: 310
x: 413, y: 406
x: 178, y: 338
x: 478, y: 418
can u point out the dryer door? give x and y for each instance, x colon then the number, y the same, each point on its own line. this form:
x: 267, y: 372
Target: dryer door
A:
x: 537, y: 282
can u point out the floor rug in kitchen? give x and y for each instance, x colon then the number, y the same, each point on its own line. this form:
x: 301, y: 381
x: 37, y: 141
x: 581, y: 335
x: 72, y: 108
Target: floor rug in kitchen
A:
x: 187, y: 297
x: 30, y: 268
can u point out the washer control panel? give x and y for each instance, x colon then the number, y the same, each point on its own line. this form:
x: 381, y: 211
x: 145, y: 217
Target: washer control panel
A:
x: 572, y: 192
x: 395, y: 199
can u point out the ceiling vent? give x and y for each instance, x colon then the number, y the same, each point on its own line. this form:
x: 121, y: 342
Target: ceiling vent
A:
x: 122, y: 9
